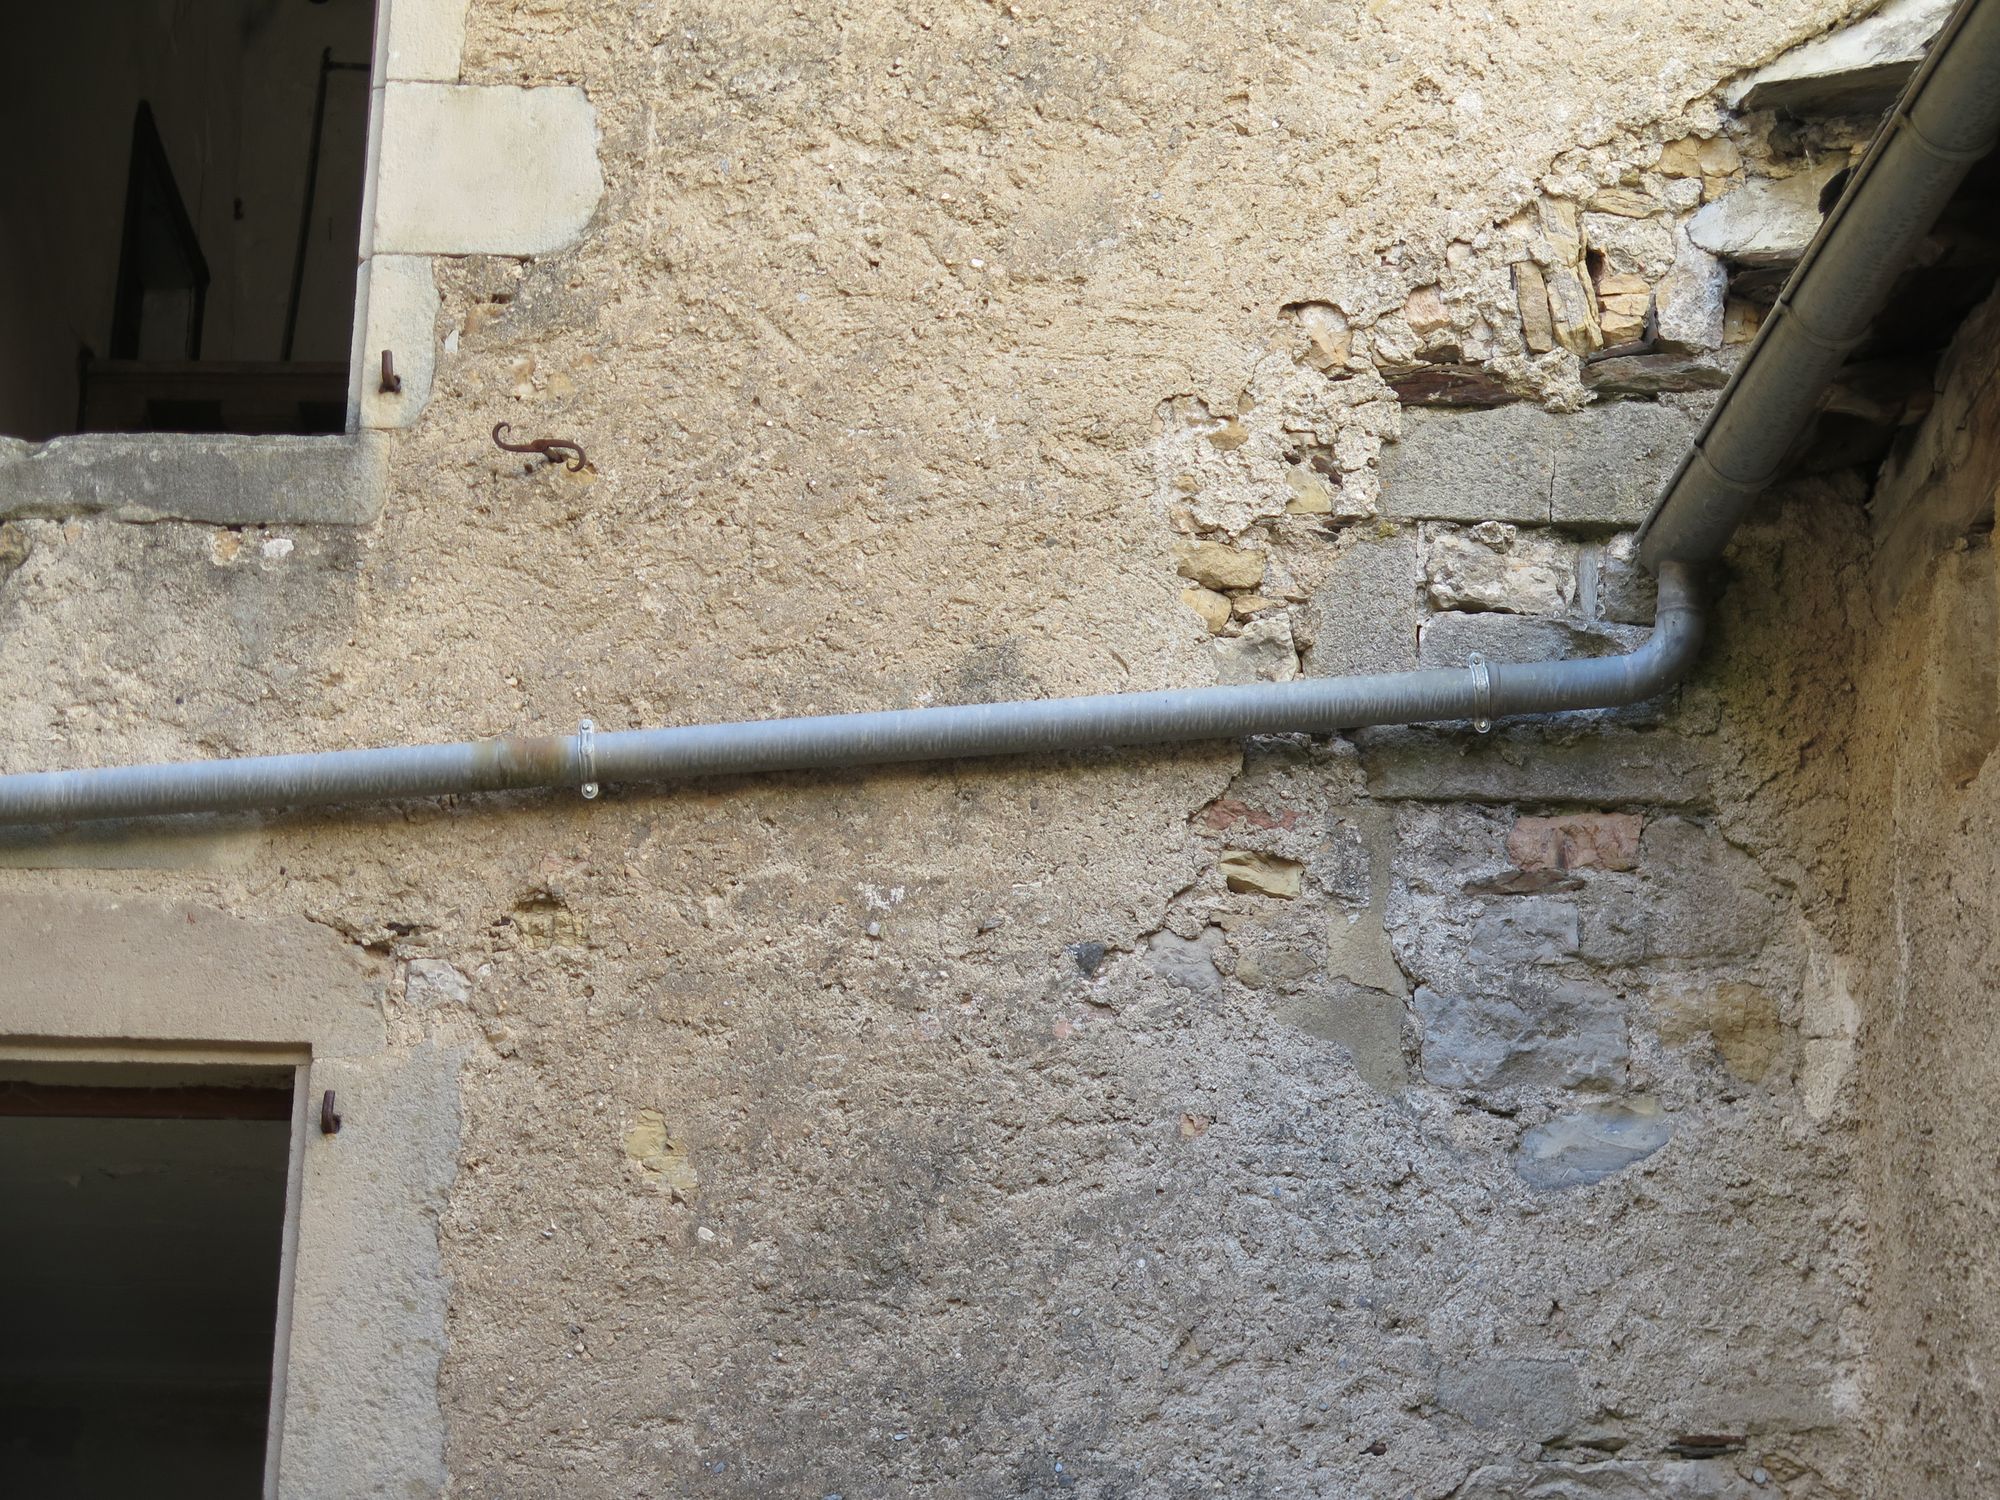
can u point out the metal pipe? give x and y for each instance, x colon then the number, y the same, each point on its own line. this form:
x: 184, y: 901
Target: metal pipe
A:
x: 1316, y: 705
x: 1947, y: 118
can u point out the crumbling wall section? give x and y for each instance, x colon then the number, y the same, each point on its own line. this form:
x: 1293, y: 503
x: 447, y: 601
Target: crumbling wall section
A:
x: 1421, y: 1112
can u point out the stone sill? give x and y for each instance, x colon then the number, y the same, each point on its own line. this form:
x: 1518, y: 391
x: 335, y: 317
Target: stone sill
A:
x: 224, y: 479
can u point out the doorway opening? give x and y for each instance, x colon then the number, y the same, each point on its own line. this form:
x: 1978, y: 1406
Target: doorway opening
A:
x: 183, y: 227
x: 143, y: 1212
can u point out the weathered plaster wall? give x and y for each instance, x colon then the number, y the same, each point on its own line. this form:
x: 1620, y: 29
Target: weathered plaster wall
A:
x: 1913, y: 966
x: 1416, y: 1114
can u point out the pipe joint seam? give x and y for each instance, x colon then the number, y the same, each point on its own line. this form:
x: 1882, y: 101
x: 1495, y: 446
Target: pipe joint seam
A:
x: 1966, y: 155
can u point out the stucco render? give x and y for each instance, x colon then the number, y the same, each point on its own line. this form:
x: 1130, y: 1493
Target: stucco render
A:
x: 1417, y: 1113
x: 1913, y: 816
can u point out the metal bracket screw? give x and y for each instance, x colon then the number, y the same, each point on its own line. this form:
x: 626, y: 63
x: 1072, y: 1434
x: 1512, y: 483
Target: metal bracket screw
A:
x: 392, y: 383
x: 586, y: 755
x: 329, y: 1117
x: 1482, y: 687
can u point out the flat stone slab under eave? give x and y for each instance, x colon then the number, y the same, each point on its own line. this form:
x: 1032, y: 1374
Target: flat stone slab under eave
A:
x: 1602, y: 466
x: 228, y: 480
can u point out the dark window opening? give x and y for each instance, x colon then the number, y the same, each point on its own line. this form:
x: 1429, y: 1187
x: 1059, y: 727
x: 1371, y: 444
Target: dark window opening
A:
x: 183, y: 227
x: 142, y: 1213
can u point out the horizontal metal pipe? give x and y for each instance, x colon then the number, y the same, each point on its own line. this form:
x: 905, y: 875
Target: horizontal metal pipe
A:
x: 1947, y: 118
x: 1317, y: 705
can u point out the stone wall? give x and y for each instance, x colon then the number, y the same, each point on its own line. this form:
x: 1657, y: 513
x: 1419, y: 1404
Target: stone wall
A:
x: 1420, y: 1112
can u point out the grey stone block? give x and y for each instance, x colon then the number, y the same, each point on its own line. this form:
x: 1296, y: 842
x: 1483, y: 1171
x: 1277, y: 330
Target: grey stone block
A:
x: 1665, y: 1479
x: 227, y: 479
x: 1599, y: 467
x: 1601, y: 767
x: 1563, y: 1034
x: 1491, y: 465
x: 1188, y: 962
x: 1575, y: 1150
x: 1698, y: 898
x: 1365, y: 613
x: 1536, y: 1399
x: 1521, y: 934
x: 1449, y: 639
x: 1613, y: 460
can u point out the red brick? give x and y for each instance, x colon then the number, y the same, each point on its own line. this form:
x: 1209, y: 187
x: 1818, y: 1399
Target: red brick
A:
x: 1226, y: 813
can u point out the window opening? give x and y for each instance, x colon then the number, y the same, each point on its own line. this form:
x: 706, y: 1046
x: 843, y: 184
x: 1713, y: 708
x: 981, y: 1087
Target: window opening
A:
x: 142, y: 1218
x: 182, y: 251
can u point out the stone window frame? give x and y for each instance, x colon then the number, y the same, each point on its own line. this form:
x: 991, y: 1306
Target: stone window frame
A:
x: 298, y: 1063
x: 362, y: 1302
x: 451, y: 169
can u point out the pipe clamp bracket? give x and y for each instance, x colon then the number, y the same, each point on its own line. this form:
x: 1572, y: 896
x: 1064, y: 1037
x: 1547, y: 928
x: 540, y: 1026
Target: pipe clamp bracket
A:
x: 586, y: 757
x: 1482, y: 692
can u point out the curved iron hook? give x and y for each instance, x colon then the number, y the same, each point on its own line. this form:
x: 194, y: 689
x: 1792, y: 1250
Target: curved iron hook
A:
x: 555, y: 450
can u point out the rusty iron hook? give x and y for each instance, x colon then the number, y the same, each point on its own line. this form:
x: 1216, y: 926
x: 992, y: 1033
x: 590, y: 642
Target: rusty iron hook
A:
x: 555, y: 450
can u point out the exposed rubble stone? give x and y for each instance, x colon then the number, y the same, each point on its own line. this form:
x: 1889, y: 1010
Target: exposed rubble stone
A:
x: 1261, y: 652
x: 1188, y: 962
x: 1247, y: 870
x: 1767, y: 222
x: 1656, y: 374
x: 1573, y: 309
x: 1531, y: 295
x: 1690, y: 301
x: 1521, y: 934
x: 1612, y: 585
x: 1622, y: 317
x: 1698, y: 898
x: 1312, y: 493
x: 1624, y: 202
x: 1216, y: 566
x: 1213, y: 608
x: 1425, y: 312
x: 14, y: 547
x: 1740, y: 1020
x: 433, y: 982
x: 1692, y: 156
x: 1495, y: 566
x: 1452, y: 385
x: 1326, y: 327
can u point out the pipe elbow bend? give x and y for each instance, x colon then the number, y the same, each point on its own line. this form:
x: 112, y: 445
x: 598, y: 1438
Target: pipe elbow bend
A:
x: 1670, y: 652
